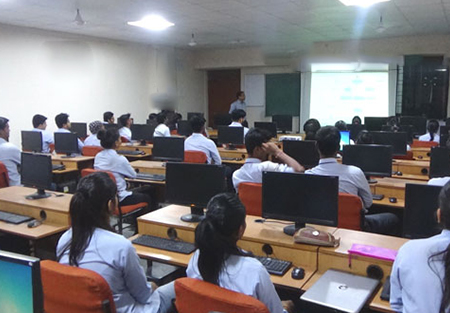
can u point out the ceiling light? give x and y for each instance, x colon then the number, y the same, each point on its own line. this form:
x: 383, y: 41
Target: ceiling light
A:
x: 192, y: 43
x: 361, y: 3
x: 78, y: 19
x: 152, y: 22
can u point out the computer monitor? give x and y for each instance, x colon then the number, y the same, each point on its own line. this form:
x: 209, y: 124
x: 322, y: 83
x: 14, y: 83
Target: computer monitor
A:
x: 444, y: 132
x: 284, y: 122
x: 31, y: 141
x: 304, y: 152
x: 345, y: 139
x: 354, y: 130
x: 374, y: 123
x: 142, y: 132
x: 194, y: 185
x: 439, y: 162
x: 398, y: 141
x: 20, y: 281
x: 270, y: 127
x: 191, y: 114
x: 111, y: 126
x: 300, y: 198
x: 184, y: 128
x: 419, y: 123
x: 168, y: 149
x: 36, y: 172
x: 66, y: 143
x: 79, y: 128
x: 230, y: 136
x: 373, y: 160
x: 152, y: 122
x: 222, y: 119
x: 419, y: 217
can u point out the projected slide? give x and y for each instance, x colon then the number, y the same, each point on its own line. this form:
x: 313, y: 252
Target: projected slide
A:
x: 340, y: 96
x: 16, y: 291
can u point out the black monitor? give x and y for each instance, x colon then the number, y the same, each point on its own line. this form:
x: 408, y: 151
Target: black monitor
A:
x: 304, y: 152
x: 230, y: 136
x: 284, y: 122
x: 373, y: 160
x: 20, y: 281
x: 194, y: 185
x: 419, y: 123
x: 79, y: 128
x: 168, y: 149
x: 408, y: 129
x: 354, y: 130
x: 398, y: 141
x: 184, y: 128
x: 222, y: 119
x: 110, y: 126
x: 269, y: 126
x: 142, y: 132
x: 300, y: 198
x: 439, y: 162
x: 421, y: 204
x: 374, y: 123
x: 36, y: 172
x: 152, y: 122
x: 191, y: 114
x: 444, y: 132
x: 66, y: 143
x: 31, y: 141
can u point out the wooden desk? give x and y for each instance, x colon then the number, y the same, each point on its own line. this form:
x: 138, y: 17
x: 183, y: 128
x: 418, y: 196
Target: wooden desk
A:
x: 393, y: 187
x: 78, y: 162
x: 412, y: 169
x: 238, y: 153
x: 151, y: 167
x: 421, y: 153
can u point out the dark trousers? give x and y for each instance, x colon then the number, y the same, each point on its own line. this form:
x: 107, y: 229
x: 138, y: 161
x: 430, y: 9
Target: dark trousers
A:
x: 142, y: 194
x: 382, y: 223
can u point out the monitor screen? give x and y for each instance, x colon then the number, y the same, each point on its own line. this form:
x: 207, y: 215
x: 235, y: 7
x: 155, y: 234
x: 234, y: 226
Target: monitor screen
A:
x: 304, y: 152
x: 168, y: 149
x: 345, y: 139
x: 232, y: 135
x: 443, y: 135
x: 374, y: 123
x: 300, y: 198
x: 36, y: 170
x: 439, y: 162
x: 66, y: 143
x: 354, y: 130
x: 108, y: 126
x: 184, y: 128
x: 284, y: 122
x: 191, y: 114
x: 419, y: 123
x: 419, y: 217
x: 31, y: 141
x: 270, y: 127
x: 79, y: 128
x: 20, y: 284
x: 373, y: 160
x: 398, y: 141
x: 142, y: 132
x: 222, y: 119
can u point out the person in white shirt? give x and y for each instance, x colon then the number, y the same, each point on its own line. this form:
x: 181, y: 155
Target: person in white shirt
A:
x: 198, y: 142
x: 259, y: 148
x: 94, y: 128
x: 433, y: 128
x: 40, y: 124
x: 63, y: 123
x: 108, y: 117
x: 220, y: 261
x: 125, y: 124
x: 9, y: 153
x: 238, y: 118
x: 162, y: 130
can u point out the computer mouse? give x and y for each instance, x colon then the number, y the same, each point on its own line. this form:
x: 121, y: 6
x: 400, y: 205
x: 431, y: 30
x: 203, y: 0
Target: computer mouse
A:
x: 399, y: 173
x: 298, y: 273
x: 392, y: 199
x: 34, y: 223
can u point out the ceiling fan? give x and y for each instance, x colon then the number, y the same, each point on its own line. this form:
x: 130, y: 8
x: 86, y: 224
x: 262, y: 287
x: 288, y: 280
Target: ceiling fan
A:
x: 381, y: 28
x: 78, y: 20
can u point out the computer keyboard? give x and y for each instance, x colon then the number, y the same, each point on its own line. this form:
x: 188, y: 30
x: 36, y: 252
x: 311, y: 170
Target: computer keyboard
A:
x: 57, y: 167
x: 165, y: 244
x: 14, y: 218
x: 130, y: 152
x: 377, y: 197
x: 145, y: 176
x: 274, y: 266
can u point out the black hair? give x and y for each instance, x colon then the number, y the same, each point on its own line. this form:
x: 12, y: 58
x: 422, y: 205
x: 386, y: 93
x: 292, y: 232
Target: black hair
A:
x: 3, y: 122
x: 239, y: 93
x: 238, y: 114
x: 38, y: 119
x: 432, y: 127
x: 197, y: 122
x: 152, y: 116
x: 107, y: 116
x: 255, y: 138
x: 108, y: 137
x: 216, y: 236
x: 310, y: 128
x: 161, y: 118
x: 123, y: 119
x: 61, y: 119
x: 356, y: 118
x: 341, y: 125
x: 364, y: 138
x: 89, y: 210
x: 328, y: 141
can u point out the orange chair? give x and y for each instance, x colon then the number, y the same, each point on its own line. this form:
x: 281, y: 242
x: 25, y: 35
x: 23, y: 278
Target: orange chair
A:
x: 195, y: 157
x: 193, y: 295
x: 174, y: 132
x: 51, y: 146
x: 91, y: 150
x: 250, y: 195
x: 350, y: 212
x: 123, y: 139
x: 71, y: 289
x: 121, y: 212
x: 4, y: 178
x: 424, y: 144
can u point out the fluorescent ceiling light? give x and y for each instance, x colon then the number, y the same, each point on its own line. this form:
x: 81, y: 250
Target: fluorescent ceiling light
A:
x: 361, y: 3
x: 152, y: 22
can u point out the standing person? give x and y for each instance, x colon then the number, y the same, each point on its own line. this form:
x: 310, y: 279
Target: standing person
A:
x: 433, y: 128
x: 198, y: 142
x: 125, y: 124
x: 162, y: 130
x: 40, y: 125
x: 9, y: 153
x: 94, y: 128
x: 63, y: 123
x: 108, y: 117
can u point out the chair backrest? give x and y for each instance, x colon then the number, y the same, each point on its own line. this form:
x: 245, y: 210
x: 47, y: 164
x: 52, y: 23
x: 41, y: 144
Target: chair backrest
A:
x: 91, y: 150
x: 4, y: 178
x: 193, y: 295
x: 250, y: 195
x: 123, y: 139
x: 71, y: 289
x: 51, y: 146
x: 195, y: 156
x: 174, y: 132
x: 88, y: 171
x: 424, y: 144
x: 350, y: 211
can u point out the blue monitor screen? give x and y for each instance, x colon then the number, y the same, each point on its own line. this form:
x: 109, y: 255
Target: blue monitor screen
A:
x: 16, y: 288
x: 345, y: 139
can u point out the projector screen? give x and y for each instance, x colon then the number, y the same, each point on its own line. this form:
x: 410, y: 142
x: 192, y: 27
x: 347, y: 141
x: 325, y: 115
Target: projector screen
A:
x: 340, y: 96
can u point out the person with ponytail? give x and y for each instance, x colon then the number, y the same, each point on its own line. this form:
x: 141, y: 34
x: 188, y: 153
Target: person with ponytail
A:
x: 219, y: 261
x: 432, y: 127
x: 311, y: 127
x: 92, y: 244
x: 420, y: 277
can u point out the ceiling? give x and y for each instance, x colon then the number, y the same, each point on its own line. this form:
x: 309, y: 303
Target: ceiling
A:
x: 277, y: 26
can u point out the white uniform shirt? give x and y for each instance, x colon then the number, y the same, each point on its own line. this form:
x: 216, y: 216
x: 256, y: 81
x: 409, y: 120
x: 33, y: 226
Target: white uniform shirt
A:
x: 161, y: 131
x: 427, y: 137
x: 125, y: 132
x: 245, y: 275
x: 10, y: 156
x: 253, y: 168
x: 236, y: 124
x: 198, y: 142
x: 47, y: 139
x: 92, y: 140
x: 109, y: 160
x: 351, y: 179
x: 80, y: 143
x: 439, y: 181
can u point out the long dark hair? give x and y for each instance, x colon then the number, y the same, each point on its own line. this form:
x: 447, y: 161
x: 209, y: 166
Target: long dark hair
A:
x: 217, y: 234
x: 89, y: 210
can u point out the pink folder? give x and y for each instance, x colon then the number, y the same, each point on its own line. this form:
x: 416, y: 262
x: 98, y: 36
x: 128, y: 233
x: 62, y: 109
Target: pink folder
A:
x: 373, y: 252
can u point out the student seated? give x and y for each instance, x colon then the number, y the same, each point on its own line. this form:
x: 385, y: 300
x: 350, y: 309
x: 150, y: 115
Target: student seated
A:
x: 198, y: 142
x: 364, y: 138
x: 356, y: 120
x: 92, y: 139
x: 92, y: 244
x: 40, y: 124
x: 310, y: 128
x: 218, y: 259
x: 433, y: 128
x: 162, y: 130
x: 9, y: 153
x: 238, y: 118
x: 63, y: 123
x: 420, y: 280
x: 108, y: 117
x: 259, y: 148
x: 125, y: 124
x: 342, y: 126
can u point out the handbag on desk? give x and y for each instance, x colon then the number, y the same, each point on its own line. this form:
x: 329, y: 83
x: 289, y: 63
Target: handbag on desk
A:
x: 312, y: 236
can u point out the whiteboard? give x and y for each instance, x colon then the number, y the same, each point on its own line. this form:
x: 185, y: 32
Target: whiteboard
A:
x: 254, y: 88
